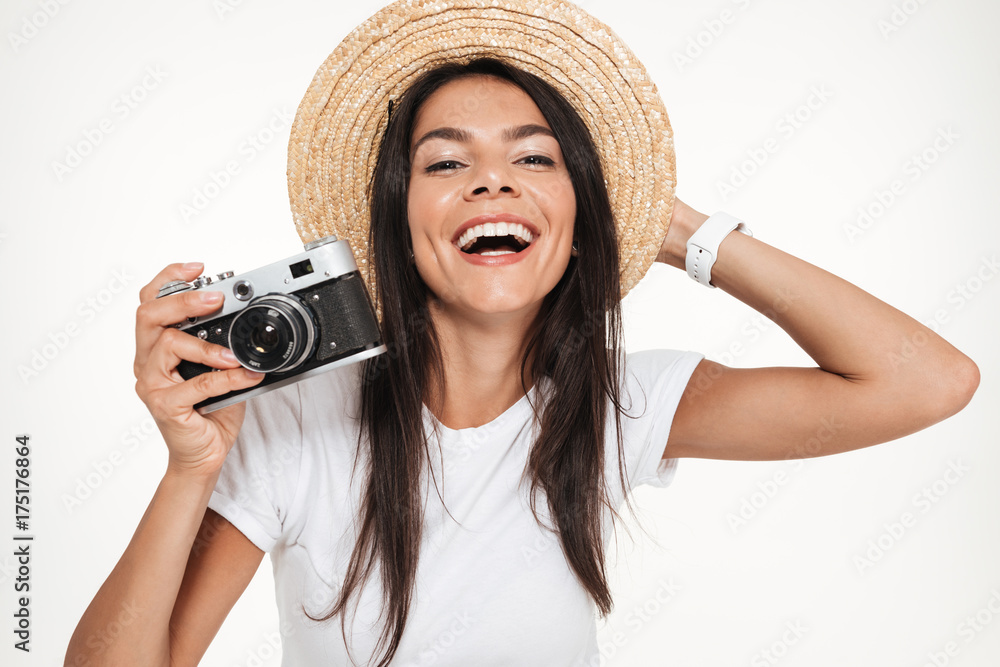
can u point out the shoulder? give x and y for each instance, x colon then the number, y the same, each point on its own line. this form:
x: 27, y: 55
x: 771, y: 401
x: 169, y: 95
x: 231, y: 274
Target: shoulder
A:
x: 295, y: 443
x: 659, y: 358
x: 662, y: 371
x: 653, y: 382
x: 294, y: 405
x: 293, y: 424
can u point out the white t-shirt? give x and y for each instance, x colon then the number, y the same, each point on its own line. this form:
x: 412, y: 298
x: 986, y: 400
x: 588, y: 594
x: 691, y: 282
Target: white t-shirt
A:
x: 493, y: 587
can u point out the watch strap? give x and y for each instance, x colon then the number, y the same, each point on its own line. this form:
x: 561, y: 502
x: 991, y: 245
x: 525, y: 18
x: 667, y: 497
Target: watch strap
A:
x: 703, y: 246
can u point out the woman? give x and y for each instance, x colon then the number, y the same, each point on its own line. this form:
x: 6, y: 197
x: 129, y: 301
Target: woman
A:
x: 487, y: 331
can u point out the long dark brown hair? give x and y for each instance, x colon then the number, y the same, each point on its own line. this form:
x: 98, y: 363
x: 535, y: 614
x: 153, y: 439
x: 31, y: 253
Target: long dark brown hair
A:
x: 574, y: 343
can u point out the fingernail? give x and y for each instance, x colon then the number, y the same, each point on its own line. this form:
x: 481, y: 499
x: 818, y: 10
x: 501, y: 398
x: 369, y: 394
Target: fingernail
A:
x: 210, y: 297
x: 253, y: 375
x: 228, y: 355
x: 191, y: 266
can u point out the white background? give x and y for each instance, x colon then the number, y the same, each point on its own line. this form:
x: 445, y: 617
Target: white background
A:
x: 75, y: 247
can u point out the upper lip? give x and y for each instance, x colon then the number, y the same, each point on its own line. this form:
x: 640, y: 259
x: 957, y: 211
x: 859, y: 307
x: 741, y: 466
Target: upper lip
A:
x: 495, y: 217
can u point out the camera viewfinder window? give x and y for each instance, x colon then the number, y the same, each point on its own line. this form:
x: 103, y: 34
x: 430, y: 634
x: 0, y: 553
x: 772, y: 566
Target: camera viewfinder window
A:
x: 302, y: 268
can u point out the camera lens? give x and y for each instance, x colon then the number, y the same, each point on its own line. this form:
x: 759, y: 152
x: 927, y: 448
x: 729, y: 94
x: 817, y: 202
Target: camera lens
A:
x: 265, y: 339
x: 274, y: 333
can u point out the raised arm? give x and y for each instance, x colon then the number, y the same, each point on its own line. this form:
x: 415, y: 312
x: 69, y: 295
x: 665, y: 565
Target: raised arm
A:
x: 881, y: 374
x: 185, y: 567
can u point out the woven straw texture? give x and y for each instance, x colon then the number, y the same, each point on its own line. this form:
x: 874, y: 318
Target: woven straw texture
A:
x: 340, y: 122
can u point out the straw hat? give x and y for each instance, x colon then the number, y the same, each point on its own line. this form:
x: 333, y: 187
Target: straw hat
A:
x: 340, y: 122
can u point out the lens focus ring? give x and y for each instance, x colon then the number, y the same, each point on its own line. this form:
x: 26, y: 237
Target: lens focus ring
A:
x: 273, y: 333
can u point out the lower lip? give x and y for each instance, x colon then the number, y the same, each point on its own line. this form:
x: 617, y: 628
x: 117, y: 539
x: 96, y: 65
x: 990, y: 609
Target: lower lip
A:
x: 496, y: 260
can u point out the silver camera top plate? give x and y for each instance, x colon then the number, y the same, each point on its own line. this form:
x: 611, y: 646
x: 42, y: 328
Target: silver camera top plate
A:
x: 322, y: 262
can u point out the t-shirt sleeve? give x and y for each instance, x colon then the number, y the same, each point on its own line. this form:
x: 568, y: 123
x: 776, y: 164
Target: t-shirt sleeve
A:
x: 256, y: 487
x: 654, y: 383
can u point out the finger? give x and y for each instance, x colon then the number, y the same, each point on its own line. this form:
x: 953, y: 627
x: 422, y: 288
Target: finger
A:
x: 176, y: 308
x: 152, y: 317
x: 185, y: 272
x: 175, y: 346
x: 176, y: 401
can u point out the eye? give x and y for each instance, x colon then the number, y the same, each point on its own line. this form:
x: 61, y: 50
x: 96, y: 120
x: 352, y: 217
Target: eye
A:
x: 444, y: 165
x: 540, y: 160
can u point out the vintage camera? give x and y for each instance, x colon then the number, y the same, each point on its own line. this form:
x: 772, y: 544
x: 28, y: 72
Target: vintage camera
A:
x: 290, y: 320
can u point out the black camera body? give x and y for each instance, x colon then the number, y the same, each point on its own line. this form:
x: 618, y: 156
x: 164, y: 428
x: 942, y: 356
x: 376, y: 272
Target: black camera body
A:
x: 290, y: 320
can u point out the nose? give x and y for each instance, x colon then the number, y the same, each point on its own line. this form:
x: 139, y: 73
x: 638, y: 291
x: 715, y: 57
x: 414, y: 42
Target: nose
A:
x: 489, y: 180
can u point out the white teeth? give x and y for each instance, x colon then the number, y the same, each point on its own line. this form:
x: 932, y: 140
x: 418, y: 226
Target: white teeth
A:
x: 495, y: 229
x: 490, y: 253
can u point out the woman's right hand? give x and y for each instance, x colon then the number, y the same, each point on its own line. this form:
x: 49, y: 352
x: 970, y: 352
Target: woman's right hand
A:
x: 197, y: 443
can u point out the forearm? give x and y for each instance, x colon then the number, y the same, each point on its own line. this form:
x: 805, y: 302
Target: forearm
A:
x: 881, y: 374
x: 843, y: 328
x: 128, y: 621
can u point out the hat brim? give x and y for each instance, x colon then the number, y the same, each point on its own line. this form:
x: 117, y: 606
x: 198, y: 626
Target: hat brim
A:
x: 341, y: 119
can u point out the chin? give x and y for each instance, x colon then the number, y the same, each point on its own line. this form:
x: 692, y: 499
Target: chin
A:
x: 485, y: 303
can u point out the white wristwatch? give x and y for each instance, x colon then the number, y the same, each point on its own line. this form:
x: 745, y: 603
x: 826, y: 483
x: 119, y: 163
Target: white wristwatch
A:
x: 703, y: 246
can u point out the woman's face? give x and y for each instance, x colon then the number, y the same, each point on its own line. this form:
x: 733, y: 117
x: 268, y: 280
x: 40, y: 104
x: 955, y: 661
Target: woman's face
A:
x: 491, y: 206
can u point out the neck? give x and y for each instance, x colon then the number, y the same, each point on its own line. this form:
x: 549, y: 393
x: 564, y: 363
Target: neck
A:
x: 481, y: 359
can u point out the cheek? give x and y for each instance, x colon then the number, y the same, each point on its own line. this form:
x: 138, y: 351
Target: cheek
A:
x: 426, y: 208
x: 556, y: 199
x: 414, y: 207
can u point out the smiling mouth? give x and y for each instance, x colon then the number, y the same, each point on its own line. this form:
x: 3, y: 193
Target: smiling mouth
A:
x: 495, y: 239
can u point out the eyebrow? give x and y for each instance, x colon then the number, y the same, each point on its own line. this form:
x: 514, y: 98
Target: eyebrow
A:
x: 525, y: 131
x: 464, y: 136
